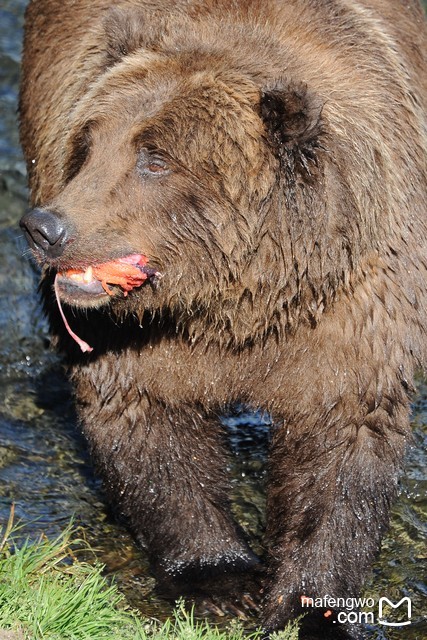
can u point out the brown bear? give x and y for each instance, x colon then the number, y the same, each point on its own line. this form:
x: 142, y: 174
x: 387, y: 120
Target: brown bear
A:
x: 230, y: 206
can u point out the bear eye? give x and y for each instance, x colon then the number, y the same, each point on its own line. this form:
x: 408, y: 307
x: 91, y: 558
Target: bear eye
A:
x: 151, y: 163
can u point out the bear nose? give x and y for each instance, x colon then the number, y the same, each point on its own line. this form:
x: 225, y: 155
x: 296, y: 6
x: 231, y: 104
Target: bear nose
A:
x: 45, y: 231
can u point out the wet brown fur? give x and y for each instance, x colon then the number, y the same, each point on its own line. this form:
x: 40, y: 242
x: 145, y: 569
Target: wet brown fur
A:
x: 291, y: 234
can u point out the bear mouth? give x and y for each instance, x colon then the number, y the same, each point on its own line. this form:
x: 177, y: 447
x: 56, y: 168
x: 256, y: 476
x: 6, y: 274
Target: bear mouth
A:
x: 75, y: 290
x: 81, y: 287
x: 97, y: 283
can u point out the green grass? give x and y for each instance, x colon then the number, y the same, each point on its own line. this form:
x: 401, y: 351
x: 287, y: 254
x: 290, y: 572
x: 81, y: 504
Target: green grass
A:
x: 46, y: 593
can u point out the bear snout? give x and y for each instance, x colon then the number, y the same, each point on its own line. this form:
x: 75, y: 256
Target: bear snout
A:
x: 47, y: 232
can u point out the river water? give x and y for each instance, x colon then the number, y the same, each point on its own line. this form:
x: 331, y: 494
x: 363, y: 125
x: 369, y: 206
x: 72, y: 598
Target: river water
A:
x: 44, y: 468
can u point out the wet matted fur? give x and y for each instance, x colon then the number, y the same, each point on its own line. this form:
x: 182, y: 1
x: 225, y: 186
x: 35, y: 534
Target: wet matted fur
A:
x: 269, y: 158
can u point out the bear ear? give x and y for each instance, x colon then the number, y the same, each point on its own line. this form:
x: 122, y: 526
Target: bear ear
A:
x: 123, y: 31
x: 293, y: 118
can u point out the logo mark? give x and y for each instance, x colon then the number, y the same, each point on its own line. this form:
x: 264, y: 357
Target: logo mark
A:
x: 385, y: 602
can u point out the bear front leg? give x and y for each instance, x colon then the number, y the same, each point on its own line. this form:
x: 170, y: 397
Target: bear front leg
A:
x: 166, y: 468
x: 333, y: 474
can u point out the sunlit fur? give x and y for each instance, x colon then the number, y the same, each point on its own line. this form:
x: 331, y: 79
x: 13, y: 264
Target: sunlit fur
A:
x: 290, y: 231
